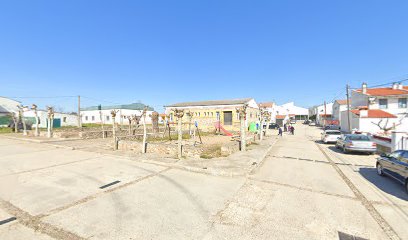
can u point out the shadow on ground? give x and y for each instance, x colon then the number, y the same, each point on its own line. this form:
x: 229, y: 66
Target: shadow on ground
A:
x: 385, y: 184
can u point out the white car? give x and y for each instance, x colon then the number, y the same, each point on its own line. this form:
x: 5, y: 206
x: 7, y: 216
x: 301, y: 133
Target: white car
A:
x: 330, y: 136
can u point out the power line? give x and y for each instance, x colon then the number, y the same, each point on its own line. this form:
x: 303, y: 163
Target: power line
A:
x: 43, y: 97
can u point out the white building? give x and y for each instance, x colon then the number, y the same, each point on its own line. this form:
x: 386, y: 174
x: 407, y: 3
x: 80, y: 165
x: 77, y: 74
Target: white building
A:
x: 338, y: 107
x: 287, y: 109
x: 322, y: 113
x: 60, y: 119
x: 7, y: 107
x: 94, y: 115
x: 377, y: 109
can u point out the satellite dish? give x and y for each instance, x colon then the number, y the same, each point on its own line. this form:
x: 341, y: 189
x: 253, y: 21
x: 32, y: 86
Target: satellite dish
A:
x: 372, y: 100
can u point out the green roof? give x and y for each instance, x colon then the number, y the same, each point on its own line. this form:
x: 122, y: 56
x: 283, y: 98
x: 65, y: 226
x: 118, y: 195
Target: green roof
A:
x: 132, y: 106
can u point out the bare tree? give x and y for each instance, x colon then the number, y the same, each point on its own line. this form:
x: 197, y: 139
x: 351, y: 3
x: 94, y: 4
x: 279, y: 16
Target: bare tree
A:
x: 129, y: 118
x: 115, y: 145
x: 179, y: 113
x: 144, y: 146
x: 242, y: 117
x: 21, y: 113
x: 15, y: 121
x: 37, y: 130
x: 384, y: 126
x: 50, y: 115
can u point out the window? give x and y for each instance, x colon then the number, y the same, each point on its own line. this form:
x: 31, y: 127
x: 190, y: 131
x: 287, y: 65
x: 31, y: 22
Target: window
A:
x: 93, y: 118
x: 107, y: 118
x: 86, y: 118
x: 64, y: 119
x: 383, y: 103
x: 402, y: 103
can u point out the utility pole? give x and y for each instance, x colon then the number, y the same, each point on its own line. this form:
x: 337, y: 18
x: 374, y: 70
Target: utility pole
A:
x: 348, y: 107
x: 79, y: 112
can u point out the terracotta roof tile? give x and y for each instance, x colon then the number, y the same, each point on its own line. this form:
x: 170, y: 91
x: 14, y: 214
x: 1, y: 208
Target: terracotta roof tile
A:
x: 342, y: 102
x: 212, y: 103
x: 385, y: 91
x: 280, y: 116
x: 266, y: 104
x: 374, y: 113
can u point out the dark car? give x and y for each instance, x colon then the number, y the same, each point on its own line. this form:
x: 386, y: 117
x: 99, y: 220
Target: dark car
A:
x: 273, y: 126
x: 20, y: 125
x: 332, y: 127
x: 394, y: 165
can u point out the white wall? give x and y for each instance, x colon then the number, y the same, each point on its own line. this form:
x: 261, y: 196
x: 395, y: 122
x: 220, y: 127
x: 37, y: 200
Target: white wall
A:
x: 66, y: 119
x: 358, y: 99
x: 94, y: 116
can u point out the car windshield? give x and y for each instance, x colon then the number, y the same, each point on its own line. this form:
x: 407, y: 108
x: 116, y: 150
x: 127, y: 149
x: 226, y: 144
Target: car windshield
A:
x: 333, y: 133
x: 359, y: 138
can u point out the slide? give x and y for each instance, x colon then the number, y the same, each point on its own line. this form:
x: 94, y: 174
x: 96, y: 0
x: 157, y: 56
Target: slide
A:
x: 219, y: 126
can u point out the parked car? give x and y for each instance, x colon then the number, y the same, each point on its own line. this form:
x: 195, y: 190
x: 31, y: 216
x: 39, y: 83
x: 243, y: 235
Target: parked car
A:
x: 394, y: 165
x: 273, y: 126
x: 330, y: 136
x: 332, y: 127
x: 312, y: 123
x: 356, y: 143
x: 306, y: 121
x: 20, y: 125
x: 293, y: 121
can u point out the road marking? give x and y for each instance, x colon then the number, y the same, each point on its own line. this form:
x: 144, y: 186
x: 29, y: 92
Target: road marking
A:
x: 94, y: 196
x: 325, y: 162
x: 51, y: 166
x: 109, y: 184
x: 36, y: 224
x: 367, y: 204
x: 7, y: 220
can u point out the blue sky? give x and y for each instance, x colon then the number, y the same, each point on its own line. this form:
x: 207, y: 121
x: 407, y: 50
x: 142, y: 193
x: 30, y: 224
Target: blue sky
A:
x: 161, y: 52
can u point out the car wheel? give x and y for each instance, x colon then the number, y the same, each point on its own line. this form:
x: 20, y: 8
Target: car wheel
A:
x: 345, y: 150
x: 380, y: 170
x: 406, y: 185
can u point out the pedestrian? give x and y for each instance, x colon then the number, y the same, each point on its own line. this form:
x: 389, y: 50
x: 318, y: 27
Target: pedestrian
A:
x: 292, y: 129
x: 285, y: 128
x: 280, y: 131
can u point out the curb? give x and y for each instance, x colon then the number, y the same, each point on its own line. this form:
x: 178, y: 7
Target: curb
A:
x: 253, y: 168
x: 42, y: 142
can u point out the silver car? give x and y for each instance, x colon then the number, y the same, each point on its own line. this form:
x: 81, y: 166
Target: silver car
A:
x: 356, y: 143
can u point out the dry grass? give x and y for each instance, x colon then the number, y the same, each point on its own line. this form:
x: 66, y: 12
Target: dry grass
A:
x: 212, y: 151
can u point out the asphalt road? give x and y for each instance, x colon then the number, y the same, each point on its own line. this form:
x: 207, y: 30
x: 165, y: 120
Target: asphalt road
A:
x: 303, y: 190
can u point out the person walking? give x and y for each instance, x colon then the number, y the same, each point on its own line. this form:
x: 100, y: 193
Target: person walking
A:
x: 292, y: 130
x: 280, y: 131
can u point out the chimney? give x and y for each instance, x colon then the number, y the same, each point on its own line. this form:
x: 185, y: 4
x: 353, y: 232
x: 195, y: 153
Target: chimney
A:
x: 364, y: 88
x: 400, y: 86
x: 395, y: 86
x: 363, y: 113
